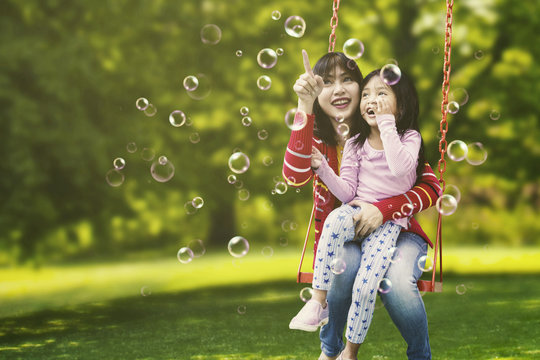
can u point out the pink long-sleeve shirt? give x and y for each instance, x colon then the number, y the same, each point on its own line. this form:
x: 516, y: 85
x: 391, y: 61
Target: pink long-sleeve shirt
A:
x: 371, y: 175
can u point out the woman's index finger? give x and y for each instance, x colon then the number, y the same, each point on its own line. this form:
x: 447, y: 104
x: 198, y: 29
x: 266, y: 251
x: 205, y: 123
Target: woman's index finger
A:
x: 307, y: 65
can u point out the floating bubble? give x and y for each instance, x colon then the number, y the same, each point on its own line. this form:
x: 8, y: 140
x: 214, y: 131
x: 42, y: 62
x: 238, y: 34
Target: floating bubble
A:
x: 114, y: 177
x: 147, y: 154
x: 262, y: 134
x: 394, y: 254
x: 494, y: 115
x: 150, y: 110
x: 244, y: 110
x: 476, y: 154
x: 338, y: 266
x: 197, y: 202
x: 478, y: 54
x: 407, y: 209
x: 141, y: 103
x: 461, y: 289
x: 191, y: 83
x: 276, y: 15
x: 295, y: 26
x: 131, y: 147
x: 162, y: 170
x: 285, y: 225
x: 267, y: 161
x: 197, y: 247
x: 306, y: 294
x: 435, y: 50
x: 385, y: 285
x: 239, y: 163
x: 146, y: 291
x: 189, y: 122
x: 177, y: 118
x: 239, y: 53
x: 339, y: 118
x: 279, y: 51
x: 293, y: 226
x: 457, y: 150
x: 425, y: 263
x: 446, y: 205
x: 397, y: 215
x: 119, y: 163
x: 210, y: 34
x: 238, y: 246
x: 267, y: 58
x: 453, y: 190
x: 290, y: 180
x: 460, y: 95
x: 241, y: 309
x: 267, y: 251
x: 203, y: 89
x: 231, y: 179
x: 246, y: 121
x: 264, y: 82
x: 283, y: 241
x: 239, y: 184
x: 390, y: 74
x: 194, y: 138
x: 189, y: 208
x: 452, y: 107
x: 353, y: 48
x: 342, y: 130
x: 298, y: 145
x: 243, y: 194
x: 281, y: 188
x: 184, y: 255
x: 296, y: 120
x: 351, y: 64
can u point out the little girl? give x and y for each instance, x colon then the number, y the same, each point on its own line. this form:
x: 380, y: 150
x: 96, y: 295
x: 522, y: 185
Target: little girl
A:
x: 379, y: 162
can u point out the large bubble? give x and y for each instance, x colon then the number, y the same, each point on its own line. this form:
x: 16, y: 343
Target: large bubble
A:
x: 457, y: 150
x: 210, y: 34
x: 264, y: 82
x: 295, y: 26
x: 162, y: 170
x: 353, y: 48
x: 390, y: 74
x: 476, y: 154
x: 267, y: 58
x: 114, y: 177
x: 190, y: 83
x: 177, y: 118
x: 239, y: 162
x: 203, y: 89
x: 238, y: 246
x: 296, y: 120
x: 184, y: 255
x: 338, y: 266
x: 446, y: 204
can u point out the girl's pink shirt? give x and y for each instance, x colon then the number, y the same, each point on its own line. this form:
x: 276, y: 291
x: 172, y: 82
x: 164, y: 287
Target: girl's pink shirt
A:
x: 372, y: 175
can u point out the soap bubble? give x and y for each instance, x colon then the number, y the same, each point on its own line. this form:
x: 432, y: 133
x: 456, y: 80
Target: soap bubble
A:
x: 453, y: 190
x: 390, y: 74
x: 446, y: 205
x: 147, y: 154
x: 476, y: 154
x: 339, y: 118
x: 407, y: 209
x: 338, y: 266
x: 194, y: 138
x: 119, y: 163
x: 190, y: 83
x: 177, y: 118
x: 162, y: 170
x: 267, y: 58
x: 210, y: 34
x: 425, y: 263
x: 203, y: 90
x: 385, y: 285
x: 150, y: 110
x: 494, y: 115
x: 197, y: 202
x: 114, y: 177
x: 146, y: 291
x: 394, y: 254
x: 189, y: 208
x: 460, y: 95
x: 457, y: 150
x: 281, y: 187
x: 231, y: 179
x: 238, y: 246
x: 141, y: 103
x: 197, y: 247
x: 243, y: 195
x: 184, y: 255
x: 343, y: 130
x: 241, y: 309
x: 461, y: 289
x: 279, y: 51
x: 295, y: 26
x: 264, y: 82
x: 353, y: 48
x: 244, y: 110
x: 267, y: 251
x: 296, y: 120
x: 262, y: 134
x: 246, y: 121
x: 239, y: 162
x: 452, y: 107
x: 131, y: 147
x: 267, y: 161
x: 276, y: 15
x: 478, y: 54
x: 306, y: 294
x: 283, y: 241
x: 435, y: 50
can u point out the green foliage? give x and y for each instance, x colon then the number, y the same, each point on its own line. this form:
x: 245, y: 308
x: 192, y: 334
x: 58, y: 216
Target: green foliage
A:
x: 71, y: 72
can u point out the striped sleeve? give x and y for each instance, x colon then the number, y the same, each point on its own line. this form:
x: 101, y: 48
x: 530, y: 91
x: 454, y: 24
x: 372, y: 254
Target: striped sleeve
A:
x: 422, y: 196
x: 297, y: 160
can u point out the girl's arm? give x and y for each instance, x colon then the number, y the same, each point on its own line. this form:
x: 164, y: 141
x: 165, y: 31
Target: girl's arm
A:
x: 344, y: 186
x: 401, y: 152
x: 297, y: 161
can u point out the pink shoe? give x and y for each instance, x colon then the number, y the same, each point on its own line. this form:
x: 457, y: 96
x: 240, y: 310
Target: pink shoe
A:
x: 310, y: 317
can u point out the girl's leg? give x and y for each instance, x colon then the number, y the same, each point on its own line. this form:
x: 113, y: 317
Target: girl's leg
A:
x: 375, y: 261
x: 404, y: 303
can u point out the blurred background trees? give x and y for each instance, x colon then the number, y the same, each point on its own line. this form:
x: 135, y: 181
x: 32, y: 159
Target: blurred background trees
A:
x: 71, y: 72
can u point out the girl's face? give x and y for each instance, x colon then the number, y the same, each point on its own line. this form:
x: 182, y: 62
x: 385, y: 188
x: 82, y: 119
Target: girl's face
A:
x: 377, y: 98
x: 340, y: 96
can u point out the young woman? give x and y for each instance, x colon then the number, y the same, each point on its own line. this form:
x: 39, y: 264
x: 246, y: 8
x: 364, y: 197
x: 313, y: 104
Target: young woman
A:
x: 330, y: 96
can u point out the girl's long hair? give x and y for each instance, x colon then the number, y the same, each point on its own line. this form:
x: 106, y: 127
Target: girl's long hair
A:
x: 407, y: 113
x: 323, y: 124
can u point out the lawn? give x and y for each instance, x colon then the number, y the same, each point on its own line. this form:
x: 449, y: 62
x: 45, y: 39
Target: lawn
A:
x: 218, y: 308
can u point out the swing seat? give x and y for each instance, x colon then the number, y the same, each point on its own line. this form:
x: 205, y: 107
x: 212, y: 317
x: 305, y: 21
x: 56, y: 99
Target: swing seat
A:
x: 425, y: 285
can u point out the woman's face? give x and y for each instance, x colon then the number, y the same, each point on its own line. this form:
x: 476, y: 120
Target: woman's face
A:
x: 340, y: 96
x: 377, y: 98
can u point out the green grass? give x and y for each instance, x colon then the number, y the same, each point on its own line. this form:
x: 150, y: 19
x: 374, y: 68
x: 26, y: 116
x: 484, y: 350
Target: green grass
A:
x: 216, y: 308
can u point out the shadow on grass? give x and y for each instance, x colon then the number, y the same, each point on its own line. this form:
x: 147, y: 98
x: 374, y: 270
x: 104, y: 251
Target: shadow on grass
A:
x: 493, y: 316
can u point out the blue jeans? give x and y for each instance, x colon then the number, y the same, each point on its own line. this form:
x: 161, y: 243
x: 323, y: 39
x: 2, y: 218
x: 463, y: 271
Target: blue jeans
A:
x: 403, y: 303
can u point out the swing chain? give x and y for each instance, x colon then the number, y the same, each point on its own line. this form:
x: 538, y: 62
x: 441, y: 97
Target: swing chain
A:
x: 445, y: 89
x: 333, y: 25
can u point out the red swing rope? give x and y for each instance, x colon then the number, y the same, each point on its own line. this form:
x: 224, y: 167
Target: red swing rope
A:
x: 333, y: 26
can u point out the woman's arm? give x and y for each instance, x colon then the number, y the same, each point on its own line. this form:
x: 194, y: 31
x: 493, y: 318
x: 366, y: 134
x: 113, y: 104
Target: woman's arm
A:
x: 297, y: 161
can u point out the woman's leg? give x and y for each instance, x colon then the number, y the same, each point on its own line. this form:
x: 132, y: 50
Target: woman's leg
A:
x: 404, y: 303
x: 339, y: 300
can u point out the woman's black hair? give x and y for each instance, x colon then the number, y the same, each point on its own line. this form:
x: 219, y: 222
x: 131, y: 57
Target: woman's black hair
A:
x: 323, y: 124
x: 407, y: 108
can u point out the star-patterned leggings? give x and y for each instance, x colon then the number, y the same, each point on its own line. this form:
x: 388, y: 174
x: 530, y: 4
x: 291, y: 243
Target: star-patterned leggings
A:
x: 339, y: 228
